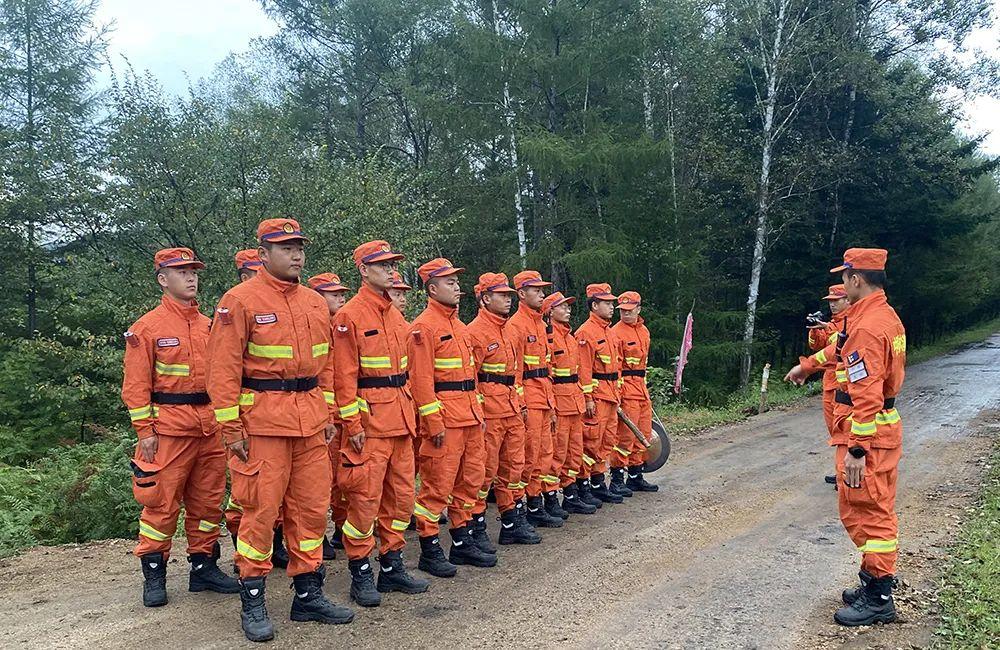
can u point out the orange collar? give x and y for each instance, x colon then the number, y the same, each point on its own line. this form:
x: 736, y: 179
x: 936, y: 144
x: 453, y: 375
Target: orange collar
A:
x: 378, y: 300
x: 278, y: 285
x: 597, y: 320
x: 441, y: 309
x: 536, y: 315
x: 187, y: 312
x: 562, y: 328
x: 492, y: 318
x: 869, y: 302
x: 634, y: 326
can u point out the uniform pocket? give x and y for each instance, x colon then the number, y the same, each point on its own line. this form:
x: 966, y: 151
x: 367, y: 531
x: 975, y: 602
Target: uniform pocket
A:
x: 352, y: 475
x: 146, y: 483
x: 245, y: 478
x: 428, y: 450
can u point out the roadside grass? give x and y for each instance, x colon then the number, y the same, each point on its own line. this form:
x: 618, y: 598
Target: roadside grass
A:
x: 970, y: 597
x: 953, y: 341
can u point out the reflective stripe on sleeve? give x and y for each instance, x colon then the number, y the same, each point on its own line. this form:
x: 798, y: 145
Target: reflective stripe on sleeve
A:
x: 141, y: 413
x: 430, y: 409
x: 863, y: 428
x: 246, y: 399
x: 886, y: 418
x: 227, y: 414
x: 820, y: 357
x: 320, y: 349
x: 330, y: 397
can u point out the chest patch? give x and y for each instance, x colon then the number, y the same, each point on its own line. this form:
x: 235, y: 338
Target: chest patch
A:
x: 265, y: 319
x: 558, y: 352
x: 446, y: 337
x: 492, y: 346
x: 532, y: 338
x: 168, y: 342
x: 371, y: 332
x: 853, y: 357
x: 857, y: 372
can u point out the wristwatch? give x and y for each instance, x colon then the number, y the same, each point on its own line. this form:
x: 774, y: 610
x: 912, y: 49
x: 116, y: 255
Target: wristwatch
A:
x: 857, y: 452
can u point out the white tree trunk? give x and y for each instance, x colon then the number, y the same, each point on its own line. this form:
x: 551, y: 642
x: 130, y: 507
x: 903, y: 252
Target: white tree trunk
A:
x: 508, y: 116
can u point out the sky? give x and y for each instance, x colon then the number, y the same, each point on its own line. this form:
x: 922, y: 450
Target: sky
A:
x: 183, y: 40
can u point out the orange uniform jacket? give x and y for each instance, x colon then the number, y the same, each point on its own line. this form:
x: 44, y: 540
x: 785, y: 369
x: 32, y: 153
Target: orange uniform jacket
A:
x: 266, y: 328
x: 599, y: 353
x: 441, y: 353
x: 165, y: 353
x: 496, y: 354
x: 634, y: 344
x: 370, y: 342
x: 566, y: 371
x: 527, y: 330
x: 822, y: 337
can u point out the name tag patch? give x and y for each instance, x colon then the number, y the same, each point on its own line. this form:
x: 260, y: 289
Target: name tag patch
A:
x: 492, y: 346
x: 532, y: 338
x: 168, y: 342
x: 857, y: 372
x: 265, y: 319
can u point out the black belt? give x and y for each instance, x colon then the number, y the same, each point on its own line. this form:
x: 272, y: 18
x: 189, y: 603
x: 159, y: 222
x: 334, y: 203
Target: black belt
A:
x: 634, y: 373
x: 389, y: 381
x: 490, y: 378
x: 571, y: 379
x: 841, y: 397
x: 536, y: 373
x: 606, y: 376
x: 465, y: 385
x: 297, y: 385
x: 196, y: 399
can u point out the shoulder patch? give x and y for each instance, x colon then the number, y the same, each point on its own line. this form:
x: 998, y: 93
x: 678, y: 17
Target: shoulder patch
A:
x: 532, y: 338
x: 224, y: 315
x: 132, y: 339
x: 582, y: 341
x: 265, y: 319
x: 168, y: 342
x: 341, y: 329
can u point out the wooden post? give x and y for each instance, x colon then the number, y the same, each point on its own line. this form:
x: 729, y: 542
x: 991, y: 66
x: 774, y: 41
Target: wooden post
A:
x: 763, y: 388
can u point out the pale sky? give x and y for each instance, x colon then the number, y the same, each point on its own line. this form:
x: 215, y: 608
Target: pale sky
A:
x: 184, y: 39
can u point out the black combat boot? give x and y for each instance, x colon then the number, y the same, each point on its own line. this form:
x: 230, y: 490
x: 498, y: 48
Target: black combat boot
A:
x: 513, y: 532
x: 480, y: 536
x: 309, y: 603
x: 599, y: 490
x: 538, y: 517
x: 279, y: 554
x: 465, y: 551
x: 432, y: 559
x: 207, y: 576
x: 363, y: 590
x: 256, y: 623
x: 394, y: 577
x: 873, y: 605
x: 583, y: 486
x: 552, y: 506
x: 852, y: 594
x: 618, y: 482
x: 338, y: 539
x: 329, y: 551
x: 637, y: 483
x: 154, y: 584
x: 572, y: 502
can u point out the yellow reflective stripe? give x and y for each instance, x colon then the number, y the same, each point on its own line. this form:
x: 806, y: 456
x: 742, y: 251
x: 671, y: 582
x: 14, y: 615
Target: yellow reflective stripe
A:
x: 148, y: 531
x: 548, y: 478
x: 269, y: 351
x: 887, y: 417
x: 250, y: 552
x: 207, y: 526
x: 863, y: 428
x: 561, y: 372
x: 531, y: 359
x: 246, y: 399
x: 879, y: 546
x: 362, y: 405
x: 482, y: 494
x: 605, y: 358
x: 227, y: 414
x: 622, y: 451
x: 514, y: 486
x: 330, y: 397
x: 444, y: 363
x: 494, y: 367
x: 522, y: 485
x: 310, y: 544
x: 141, y: 413
x: 832, y: 338
x: 632, y: 360
x: 399, y: 524
x: 519, y: 390
x: 589, y: 388
x: 233, y: 505
x: 354, y: 533
x: 572, y: 472
x: 403, y: 362
x: 431, y: 408
x: 173, y: 369
x: 376, y: 362
x: 354, y: 408
x: 820, y: 357
x: 842, y: 376
x: 320, y: 349
x: 587, y: 459
x: 421, y: 511
x: 480, y: 398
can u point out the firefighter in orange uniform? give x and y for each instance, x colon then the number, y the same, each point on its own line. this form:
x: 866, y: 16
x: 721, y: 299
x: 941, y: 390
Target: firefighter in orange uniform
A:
x: 335, y: 294
x: 527, y: 330
x: 822, y: 334
x: 270, y: 379
x: 397, y: 292
x: 179, y: 458
x: 599, y: 378
x: 247, y: 264
x: 567, y: 461
x: 376, y: 448
x: 497, y: 366
x: 443, y: 380
x: 874, y: 357
x: 633, y: 339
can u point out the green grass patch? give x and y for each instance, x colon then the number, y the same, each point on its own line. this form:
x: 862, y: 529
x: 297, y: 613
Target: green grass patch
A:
x: 970, y: 598
x: 946, y: 344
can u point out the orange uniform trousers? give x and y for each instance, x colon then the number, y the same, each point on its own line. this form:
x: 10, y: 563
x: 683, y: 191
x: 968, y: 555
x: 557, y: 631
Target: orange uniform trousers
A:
x: 189, y: 470
x: 599, y: 437
x: 568, y: 458
x: 504, y: 463
x: 828, y: 407
x: 628, y: 451
x: 289, y: 471
x: 869, y: 512
x: 338, y: 501
x: 538, y: 451
x: 450, y: 475
x: 378, y: 484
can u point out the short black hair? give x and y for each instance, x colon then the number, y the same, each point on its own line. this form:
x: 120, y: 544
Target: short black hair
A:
x: 241, y: 272
x: 266, y: 245
x: 872, y: 278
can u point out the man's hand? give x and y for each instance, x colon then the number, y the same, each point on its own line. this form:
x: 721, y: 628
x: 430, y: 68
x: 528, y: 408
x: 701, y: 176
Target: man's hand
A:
x: 797, y: 375
x: 854, y: 470
x: 817, y: 325
x: 524, y: 414
x: 148, y: 447
x: 591, y: 409
x: 358, y: 441
x: 240, y: 449
x: 553, y: 421
x: 331, y: 432
x: 437, y: 439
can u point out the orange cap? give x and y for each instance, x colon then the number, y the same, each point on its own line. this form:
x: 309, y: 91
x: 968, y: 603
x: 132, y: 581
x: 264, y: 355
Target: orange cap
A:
x: 836, y: 292
x: 438, y: 267
x: 397, y: 282
x: 554, y: 300
x: 863, y: 259
x: 248, y: 259
x: 375, y: 251
x: 530, y: 279
x: 496, y: 282
x: 169, y: 257
x: 600, y: 291
x: 629, y: 300
x: 279, y: 230
x: 327, y: 282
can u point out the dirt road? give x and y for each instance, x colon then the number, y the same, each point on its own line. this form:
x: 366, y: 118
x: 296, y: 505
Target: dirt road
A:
x: 741, y: 548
